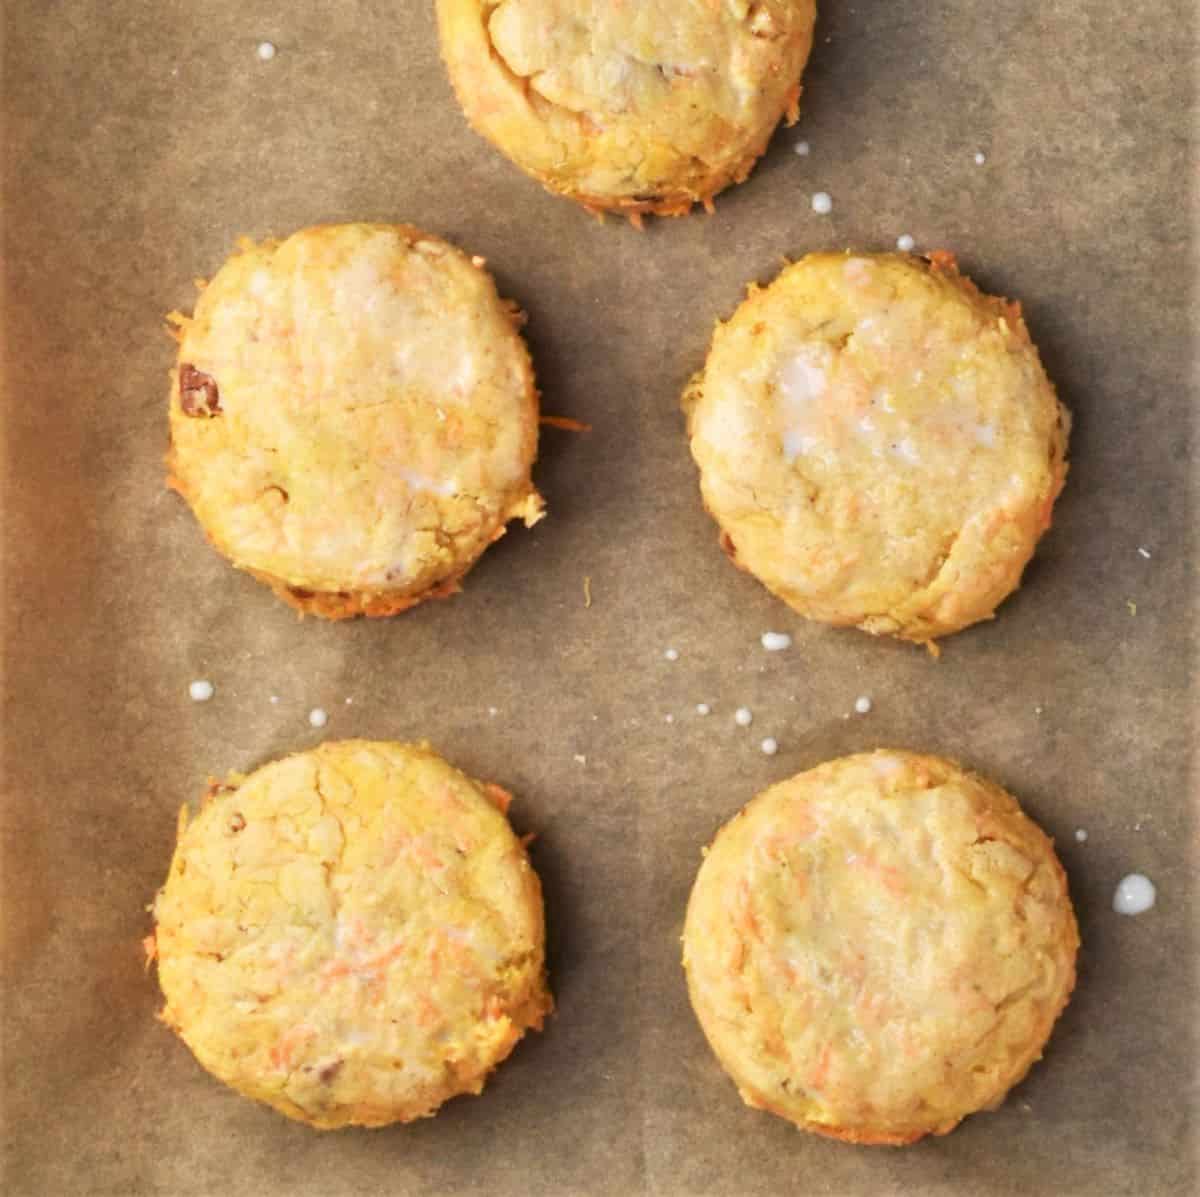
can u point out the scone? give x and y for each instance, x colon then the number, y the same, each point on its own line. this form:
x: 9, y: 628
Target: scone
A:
x: 879, y: 947
x: 628, y: 107
x: 352, y: 935
x: 353, y: 416
x: 878, y: 442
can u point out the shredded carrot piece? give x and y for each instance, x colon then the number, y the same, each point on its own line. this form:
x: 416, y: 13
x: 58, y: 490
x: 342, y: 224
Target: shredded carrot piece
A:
x: 587, y: 591
x: 709, y: 206
x: 385, y: 958
x: 150, y: 947
x: 821, y: 1072
x: 635, y: 219
x: 565, y: 423
x: 944, y: 260
x: 931, y: 647
x: 737, y: 957
x: 748, y: 919
x: 498, y: 796
x: 281, y: 1052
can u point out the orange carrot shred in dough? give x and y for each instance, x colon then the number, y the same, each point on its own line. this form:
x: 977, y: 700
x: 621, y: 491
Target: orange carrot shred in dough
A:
x: 498, y: 796
x: 565, y: 423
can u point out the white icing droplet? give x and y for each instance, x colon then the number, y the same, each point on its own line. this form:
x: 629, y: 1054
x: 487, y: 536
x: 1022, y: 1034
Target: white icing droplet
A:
x: 906, y: 449
x: 802, y: 148
x: 770, y: 746
x: 1145, y: 552
x: 349, y: 702
x: 863, y: 704
x: 672, y: 654
x: 1038, y: 710
x: 274, y: 700
x: 580, y: 759
x: 318, y: 717
x: 1081, y: 834
x: 266, y: 51
x: 775, y: 642
x: 742, y: 717
x: 1135, y: 894
x: 669, y: 719
x: 980, y: 157
x: 702, y: 708
x: 493, y: 712
x: 905, y: 243
x: 201, y: 690
x: 822, y: 203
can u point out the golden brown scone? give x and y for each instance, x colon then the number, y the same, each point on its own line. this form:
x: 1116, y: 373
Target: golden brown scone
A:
x: 352, y: 935
x: 353, y: 416
x: 878, y: 442
x: 631, y: 106
x: 879, y: 947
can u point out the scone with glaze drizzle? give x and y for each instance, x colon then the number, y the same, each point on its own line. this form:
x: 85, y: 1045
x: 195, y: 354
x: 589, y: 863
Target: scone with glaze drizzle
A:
x: 878, y: 442
x: 637, y: 107
x: 354, y: 417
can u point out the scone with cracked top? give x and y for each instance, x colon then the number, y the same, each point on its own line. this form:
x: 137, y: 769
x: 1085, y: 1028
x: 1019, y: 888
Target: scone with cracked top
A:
x: 353, y: 416
x: 880, y: 946
x: 631, y: 107
x: 352, y: 935
x: 878, y: 442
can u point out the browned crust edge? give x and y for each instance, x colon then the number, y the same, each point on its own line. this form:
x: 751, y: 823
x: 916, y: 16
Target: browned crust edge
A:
x: 336, y: 605
x: 679, y: 202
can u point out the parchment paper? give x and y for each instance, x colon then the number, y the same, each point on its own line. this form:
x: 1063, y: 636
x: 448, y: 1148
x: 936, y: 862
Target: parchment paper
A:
x: 141, y: 138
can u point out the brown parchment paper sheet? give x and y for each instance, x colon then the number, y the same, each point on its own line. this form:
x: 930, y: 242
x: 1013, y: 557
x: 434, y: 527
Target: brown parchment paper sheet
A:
x: 141, y: 138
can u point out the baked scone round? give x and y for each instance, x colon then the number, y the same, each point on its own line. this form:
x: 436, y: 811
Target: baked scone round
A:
x: 353, y: 416
x: 352, y: 935
x: 630, y: 107
x: 879, y: 947
x: 878, y: 442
